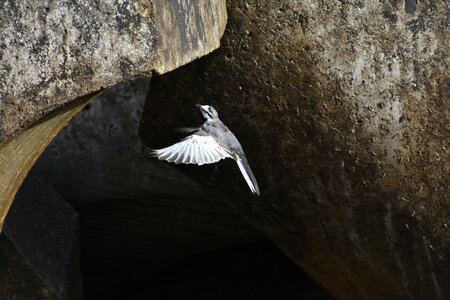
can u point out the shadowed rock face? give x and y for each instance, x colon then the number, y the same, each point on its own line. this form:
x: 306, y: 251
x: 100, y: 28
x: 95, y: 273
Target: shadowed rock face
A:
x: 342, y: 109
x: 40, y: 246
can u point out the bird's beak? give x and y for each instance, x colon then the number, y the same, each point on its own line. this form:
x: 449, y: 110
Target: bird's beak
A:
x: 199, y: 106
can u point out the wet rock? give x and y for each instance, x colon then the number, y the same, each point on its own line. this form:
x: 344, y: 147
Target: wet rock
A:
x: 341, y: 109
x: 39, y: 248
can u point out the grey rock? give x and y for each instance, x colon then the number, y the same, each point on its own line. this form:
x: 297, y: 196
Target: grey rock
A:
x: 342, y: 109
x: 52, y: 52
x: 39, y: 247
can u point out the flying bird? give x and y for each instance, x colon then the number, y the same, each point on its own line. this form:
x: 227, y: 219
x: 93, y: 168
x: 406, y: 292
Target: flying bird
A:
x: 208, y: 144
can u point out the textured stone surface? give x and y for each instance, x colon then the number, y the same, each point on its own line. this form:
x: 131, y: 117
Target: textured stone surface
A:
x: 137, y: 214
x: 52, y: 52
x: 39, y: 249
x: 187, y: 30
x: 18, y: 154
x: 342, y: 108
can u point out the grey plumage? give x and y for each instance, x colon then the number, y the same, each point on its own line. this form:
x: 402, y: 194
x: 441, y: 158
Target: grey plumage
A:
x: 208, y: 144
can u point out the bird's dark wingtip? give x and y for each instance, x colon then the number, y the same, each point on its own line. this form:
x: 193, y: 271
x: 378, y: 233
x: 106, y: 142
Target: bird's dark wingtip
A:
x: 152, y: 152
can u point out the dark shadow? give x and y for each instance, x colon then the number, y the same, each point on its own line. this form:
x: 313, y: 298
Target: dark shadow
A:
x: 255, y: 271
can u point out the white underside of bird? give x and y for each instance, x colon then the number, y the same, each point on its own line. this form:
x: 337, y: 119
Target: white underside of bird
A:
x: 194, y: 149
x: 200, y: 150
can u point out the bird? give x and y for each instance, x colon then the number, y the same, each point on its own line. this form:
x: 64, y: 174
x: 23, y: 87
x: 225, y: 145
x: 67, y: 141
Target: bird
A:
x: 209, y: 143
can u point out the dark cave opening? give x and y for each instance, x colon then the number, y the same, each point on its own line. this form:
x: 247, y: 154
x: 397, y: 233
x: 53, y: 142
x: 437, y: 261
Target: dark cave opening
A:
x: 252, y: 271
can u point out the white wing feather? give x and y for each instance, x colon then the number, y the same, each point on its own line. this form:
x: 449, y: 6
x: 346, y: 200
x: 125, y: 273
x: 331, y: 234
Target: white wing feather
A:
x: 194, y: 149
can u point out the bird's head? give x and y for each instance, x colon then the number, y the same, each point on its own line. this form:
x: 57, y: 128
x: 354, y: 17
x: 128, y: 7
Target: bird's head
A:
x: 208, y: 112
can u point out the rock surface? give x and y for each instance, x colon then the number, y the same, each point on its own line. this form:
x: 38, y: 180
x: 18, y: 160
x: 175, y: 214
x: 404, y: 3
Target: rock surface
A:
x: 54, y: 52
x: 342, y: 108
x: 18, y: 155
x: 40, y: 247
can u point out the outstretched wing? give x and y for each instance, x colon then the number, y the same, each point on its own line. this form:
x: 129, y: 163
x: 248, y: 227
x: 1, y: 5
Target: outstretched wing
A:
x: 194, y: 149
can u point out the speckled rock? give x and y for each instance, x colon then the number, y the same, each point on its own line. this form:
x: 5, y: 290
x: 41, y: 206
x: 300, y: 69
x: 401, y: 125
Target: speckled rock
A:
x: 52, y: 52
x: 342, y: 108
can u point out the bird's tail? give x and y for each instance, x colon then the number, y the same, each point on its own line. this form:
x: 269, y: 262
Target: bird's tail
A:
x: 248, y: 175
